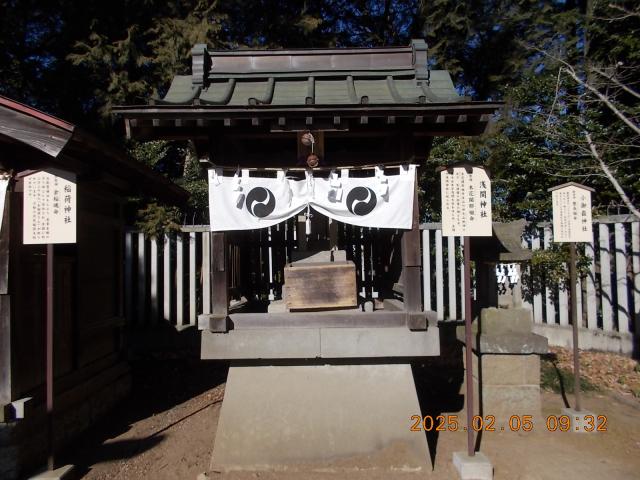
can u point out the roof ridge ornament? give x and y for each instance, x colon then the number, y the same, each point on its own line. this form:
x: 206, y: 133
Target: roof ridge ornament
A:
x: 420, y: 48
x: 200, y: 64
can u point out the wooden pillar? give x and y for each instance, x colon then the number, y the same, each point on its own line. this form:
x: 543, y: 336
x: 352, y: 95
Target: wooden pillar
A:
x: 219, y: 280
x: 217, y: 319
x: 5, y: 310
x: 5, y: 351
x: 411, y: 261
x: 301, y: 234
x: 333, y: 234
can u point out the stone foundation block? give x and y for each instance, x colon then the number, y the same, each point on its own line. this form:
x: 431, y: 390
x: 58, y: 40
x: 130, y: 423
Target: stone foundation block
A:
x: 508, y: 369
x: 318, y: 417
x: 57, y: 474
x: 506, y: 385
x: 580, y: 423
x: 495, y: 321
x: 477, y: 467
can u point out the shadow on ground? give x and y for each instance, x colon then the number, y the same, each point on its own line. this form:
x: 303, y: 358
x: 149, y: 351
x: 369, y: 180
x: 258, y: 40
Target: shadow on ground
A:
x: 438, y: 381
x: 158, y: 385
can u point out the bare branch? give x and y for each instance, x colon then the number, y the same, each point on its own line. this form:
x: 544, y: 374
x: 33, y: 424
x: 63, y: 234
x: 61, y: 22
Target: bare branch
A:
x: 612, y: 179
x: 604, y: 99
x: 617, y: 82
x: 626, y: 12
x: 555, y: 97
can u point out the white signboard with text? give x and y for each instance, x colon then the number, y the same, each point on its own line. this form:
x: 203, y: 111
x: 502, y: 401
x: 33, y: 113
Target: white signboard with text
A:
x: 4, y: 183
x: 466, y: 202
x: 49, y: 207
x: 572, y: 214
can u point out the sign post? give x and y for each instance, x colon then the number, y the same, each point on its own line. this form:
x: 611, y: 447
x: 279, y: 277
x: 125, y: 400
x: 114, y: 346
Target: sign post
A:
x: 466, y: 212
x: 571, y: 224
x: 49, y: 217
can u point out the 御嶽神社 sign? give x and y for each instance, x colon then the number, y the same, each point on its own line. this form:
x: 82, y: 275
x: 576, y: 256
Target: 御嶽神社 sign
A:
x: 466, y: 202
x: 50, y: 202
x: 571, y: 213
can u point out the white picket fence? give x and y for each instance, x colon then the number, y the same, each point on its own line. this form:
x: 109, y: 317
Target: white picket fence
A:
x: 168, y: 280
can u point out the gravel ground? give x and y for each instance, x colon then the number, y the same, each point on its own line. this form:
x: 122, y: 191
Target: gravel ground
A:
x: 167, y: 429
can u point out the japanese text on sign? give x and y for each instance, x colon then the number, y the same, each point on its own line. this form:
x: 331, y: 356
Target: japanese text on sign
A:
x: 466, y: 202
x: 572, y: 214
x: 49, y: 208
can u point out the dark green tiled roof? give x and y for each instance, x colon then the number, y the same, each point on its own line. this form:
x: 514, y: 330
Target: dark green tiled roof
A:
x: 322, y: 77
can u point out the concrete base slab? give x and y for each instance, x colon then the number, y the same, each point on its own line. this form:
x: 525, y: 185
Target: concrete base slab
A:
x: 306, y: 343
x: 57, y: 474
x: 582, y: 421
x: 315, y: 417
x: 477, y: 467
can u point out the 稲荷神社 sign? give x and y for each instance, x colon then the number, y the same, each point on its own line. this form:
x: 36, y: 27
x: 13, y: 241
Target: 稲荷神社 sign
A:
x: 49, y: 207
x: 466, y: 202
x: 572, y: 213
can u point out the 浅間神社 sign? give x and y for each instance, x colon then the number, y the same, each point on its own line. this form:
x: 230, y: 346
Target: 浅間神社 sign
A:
x: 466, y: 202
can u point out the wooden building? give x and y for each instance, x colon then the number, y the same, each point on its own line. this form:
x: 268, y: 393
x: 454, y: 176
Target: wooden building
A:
x: 364, y: 107
x: 90, y: 367
x: 283, y: 131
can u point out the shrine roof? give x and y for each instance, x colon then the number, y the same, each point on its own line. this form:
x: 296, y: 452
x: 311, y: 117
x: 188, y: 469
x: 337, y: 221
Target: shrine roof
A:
x: 31, y: 139
x: 340, y: 83
x: 351, y: 76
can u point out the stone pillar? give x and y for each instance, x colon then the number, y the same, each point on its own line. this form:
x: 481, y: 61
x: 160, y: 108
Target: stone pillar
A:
x: 506, y: 364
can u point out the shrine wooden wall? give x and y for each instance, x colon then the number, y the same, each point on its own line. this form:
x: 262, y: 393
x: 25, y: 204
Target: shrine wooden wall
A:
x: 88, y: 293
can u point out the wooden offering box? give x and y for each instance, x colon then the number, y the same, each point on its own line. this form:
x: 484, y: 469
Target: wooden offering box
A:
x: 320, y: 285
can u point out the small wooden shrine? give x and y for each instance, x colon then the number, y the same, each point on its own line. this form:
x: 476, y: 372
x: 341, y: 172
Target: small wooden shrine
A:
x: 251, y: 113
x: 303, y: 146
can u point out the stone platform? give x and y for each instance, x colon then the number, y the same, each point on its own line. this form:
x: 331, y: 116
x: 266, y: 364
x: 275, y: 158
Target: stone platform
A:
x: 310, y: 343
x: 319, y: 416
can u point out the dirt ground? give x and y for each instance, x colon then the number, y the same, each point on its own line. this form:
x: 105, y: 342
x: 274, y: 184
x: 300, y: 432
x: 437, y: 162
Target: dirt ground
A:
x: 167, y: 429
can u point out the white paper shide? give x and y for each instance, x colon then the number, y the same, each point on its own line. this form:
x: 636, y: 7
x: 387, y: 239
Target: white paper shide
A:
x: 466, y: 202
x: 49, y: 207
x: 572, y: 214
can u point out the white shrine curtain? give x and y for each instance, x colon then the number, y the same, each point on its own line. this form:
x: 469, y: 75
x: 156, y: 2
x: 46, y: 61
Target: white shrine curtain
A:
x: 243, y: 202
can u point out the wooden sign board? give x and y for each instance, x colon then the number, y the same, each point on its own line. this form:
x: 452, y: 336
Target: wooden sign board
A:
x: 572, y: 213
x: 50, y: 201
x: 466, y: 202
x: 320, y: 285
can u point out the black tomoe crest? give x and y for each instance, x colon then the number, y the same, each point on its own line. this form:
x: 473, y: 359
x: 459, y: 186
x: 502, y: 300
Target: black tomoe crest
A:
x: 260, y: 202
x: 361, y: 201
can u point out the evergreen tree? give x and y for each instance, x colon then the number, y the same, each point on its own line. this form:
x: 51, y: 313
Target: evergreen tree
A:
x: 77, y: 59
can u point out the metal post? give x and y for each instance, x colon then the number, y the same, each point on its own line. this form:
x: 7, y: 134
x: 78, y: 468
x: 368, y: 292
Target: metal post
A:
x: 49, y: 357
x: 468, y: 346
x: 574, y: 323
